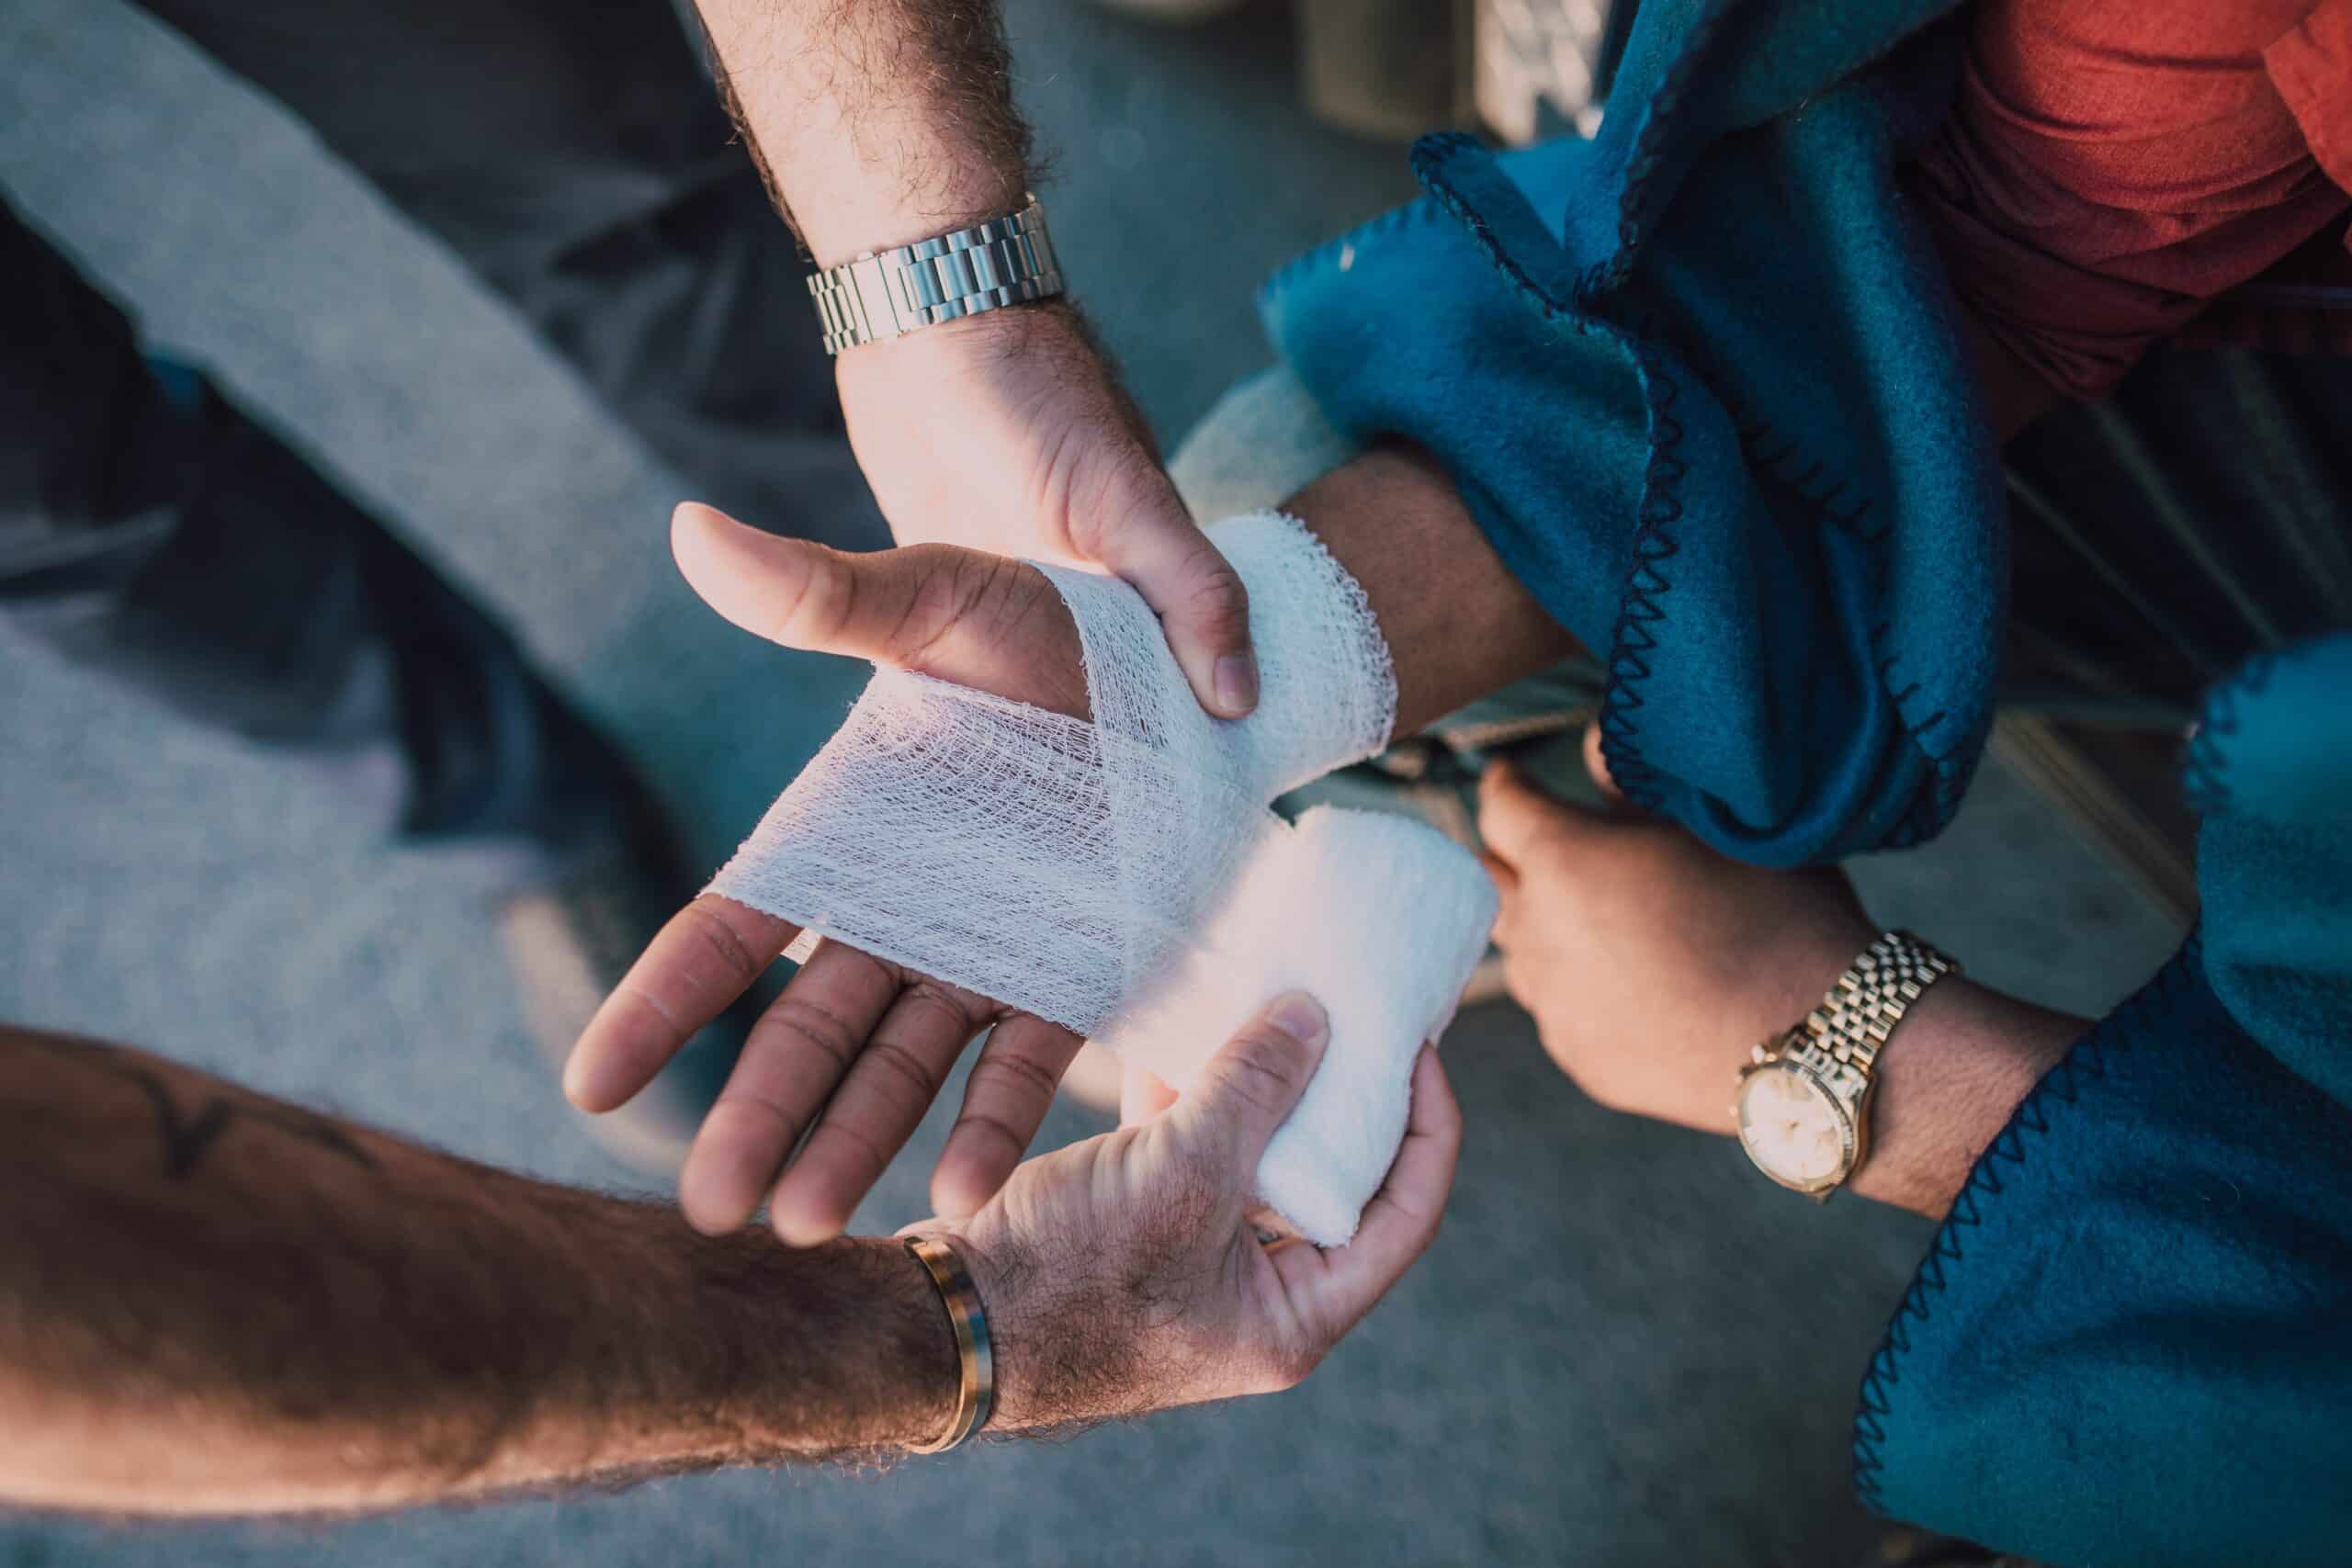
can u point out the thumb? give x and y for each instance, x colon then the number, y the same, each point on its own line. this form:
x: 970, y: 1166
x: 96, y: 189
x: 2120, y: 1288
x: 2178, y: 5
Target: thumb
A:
x: 1249, y: 1087
x: 978, y: 620
x: 797, y: 593
x: 1161, y: 553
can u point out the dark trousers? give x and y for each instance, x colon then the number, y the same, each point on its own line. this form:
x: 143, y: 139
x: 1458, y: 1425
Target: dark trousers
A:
x: 576, y: 158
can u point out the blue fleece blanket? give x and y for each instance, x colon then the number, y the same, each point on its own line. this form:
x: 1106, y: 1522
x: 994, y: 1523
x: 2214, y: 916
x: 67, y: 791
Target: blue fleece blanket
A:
x: 1698, y: 380
x: 2131, y: 1342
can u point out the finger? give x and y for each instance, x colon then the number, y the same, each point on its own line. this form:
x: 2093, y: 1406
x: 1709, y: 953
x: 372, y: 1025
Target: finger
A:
x: 1340, y: 1287
x: 1006, y: 1098
x: 692, y: 971
x: 799, y: 593
x: 1250, y: 1085
x: 792, y: 1059
x: 1199, y: 598
x: 978, y: 620
x: 1598, y: 765
x: 1143, y: 1095
x: 895, y: 1077
x: 1515, y: 817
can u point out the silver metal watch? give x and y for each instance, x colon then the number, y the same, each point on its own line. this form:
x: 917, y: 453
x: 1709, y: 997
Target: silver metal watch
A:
x: 887, y: 294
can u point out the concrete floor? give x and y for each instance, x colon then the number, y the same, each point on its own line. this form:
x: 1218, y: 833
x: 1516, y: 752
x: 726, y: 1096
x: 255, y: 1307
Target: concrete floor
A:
x: 1623, y: 1349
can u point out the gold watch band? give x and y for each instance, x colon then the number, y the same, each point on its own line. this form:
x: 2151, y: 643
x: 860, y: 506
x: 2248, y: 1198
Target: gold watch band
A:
x: 1803, y: 1106
x: 1860, y: 1010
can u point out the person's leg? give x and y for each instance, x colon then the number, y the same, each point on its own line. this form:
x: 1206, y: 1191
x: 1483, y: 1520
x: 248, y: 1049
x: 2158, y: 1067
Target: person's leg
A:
x: 579, y: 163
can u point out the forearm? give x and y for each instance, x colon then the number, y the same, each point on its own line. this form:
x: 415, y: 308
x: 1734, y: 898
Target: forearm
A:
x: 1947, y: 1081
x: 1956, y: 1069
x: 212, y: 1301
x: 875, y: 122
x: 1458, y: 625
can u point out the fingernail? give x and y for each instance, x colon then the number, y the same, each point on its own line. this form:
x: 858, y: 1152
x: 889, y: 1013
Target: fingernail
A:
x: 1299, y: 1016
x: 1237, y: 683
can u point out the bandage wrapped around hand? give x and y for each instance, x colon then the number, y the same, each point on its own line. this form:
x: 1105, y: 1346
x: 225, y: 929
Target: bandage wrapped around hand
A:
x: 1126, y: 877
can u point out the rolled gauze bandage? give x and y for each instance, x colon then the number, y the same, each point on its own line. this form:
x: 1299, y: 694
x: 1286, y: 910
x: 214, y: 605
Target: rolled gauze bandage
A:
x: 1123, y: 877
x: 1381, y: 919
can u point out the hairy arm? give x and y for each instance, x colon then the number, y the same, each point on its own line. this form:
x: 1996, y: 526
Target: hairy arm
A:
x: 214, y: 1302
x: 874, y: 122
x: 880, y: 122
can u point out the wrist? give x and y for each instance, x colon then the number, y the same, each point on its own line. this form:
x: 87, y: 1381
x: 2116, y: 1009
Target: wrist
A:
x: 1948, y: 1067
x: 1051, y: 325
x: 1952, y: 1076
x: 1394, y: 519
x: 1006, y: 1278
x: 873, y: 1367
x: 865, y: 217
x: 1067, y: 1350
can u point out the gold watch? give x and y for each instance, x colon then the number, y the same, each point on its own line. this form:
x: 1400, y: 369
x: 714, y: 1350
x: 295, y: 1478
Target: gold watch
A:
x: 1804, y: 1102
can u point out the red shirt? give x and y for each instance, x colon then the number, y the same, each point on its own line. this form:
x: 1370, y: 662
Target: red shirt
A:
x: 2118, y: 171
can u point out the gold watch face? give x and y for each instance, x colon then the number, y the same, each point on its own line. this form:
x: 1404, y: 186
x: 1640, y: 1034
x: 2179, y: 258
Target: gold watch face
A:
x: 1793, y: 1128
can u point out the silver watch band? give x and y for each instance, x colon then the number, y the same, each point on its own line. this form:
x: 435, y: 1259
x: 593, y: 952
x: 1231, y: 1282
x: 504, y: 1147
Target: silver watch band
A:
x: 888, y: 294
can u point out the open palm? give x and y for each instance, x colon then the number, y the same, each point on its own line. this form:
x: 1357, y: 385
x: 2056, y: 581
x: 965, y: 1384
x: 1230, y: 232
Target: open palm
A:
x: 844, y: 1064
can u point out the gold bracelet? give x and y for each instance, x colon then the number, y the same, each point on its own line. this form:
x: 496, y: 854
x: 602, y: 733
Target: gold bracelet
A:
x: 976, y: 1390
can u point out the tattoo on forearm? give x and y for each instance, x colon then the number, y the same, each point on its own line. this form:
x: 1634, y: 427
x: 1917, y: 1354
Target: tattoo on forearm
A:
x: 188, y: 1139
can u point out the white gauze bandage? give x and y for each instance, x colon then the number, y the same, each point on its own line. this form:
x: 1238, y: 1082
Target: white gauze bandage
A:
x: 1124, y: 878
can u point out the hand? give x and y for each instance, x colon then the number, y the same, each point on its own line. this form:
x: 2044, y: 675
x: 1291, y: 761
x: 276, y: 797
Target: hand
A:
x: 1005, y: 431
x: 1122, y: 1275
x: 856, y: 1045
x: 1650, y: 962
